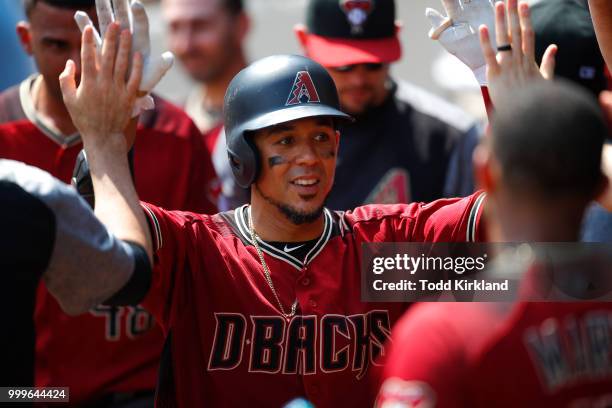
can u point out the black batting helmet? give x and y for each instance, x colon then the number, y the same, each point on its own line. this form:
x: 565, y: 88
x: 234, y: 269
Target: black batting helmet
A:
x: 270, y: 91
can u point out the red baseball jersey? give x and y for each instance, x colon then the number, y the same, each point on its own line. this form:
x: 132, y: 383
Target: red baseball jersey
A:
x: 227, y: 343
x: 501, y: 355
x: 111, y: 349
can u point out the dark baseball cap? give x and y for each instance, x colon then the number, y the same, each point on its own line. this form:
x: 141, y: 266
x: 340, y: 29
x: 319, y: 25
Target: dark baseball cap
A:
x: 568, y: 24
x: 346, y: 32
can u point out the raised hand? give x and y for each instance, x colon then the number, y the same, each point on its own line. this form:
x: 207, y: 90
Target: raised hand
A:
x: 513, y: 65
x: 101, y: 105
x: 458, y: 31
x: 133, y: 18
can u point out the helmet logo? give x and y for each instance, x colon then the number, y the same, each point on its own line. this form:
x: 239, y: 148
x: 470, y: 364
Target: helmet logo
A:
x: 303, y: 90
x: 357, y: 12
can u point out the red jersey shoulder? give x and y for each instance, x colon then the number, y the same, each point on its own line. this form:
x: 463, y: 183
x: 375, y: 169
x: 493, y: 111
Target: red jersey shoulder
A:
x: 163, y: 222
x: 168, y: 118
x: 451, y: 219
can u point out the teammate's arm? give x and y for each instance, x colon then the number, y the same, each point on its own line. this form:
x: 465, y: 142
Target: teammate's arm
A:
x: 601, y: 11
x: 100, y: 108
x: 55, y: 235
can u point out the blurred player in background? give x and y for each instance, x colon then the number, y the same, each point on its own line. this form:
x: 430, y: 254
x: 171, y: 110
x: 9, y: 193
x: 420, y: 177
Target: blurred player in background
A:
x: 527, y: 353
x: 111, y: 354
x: 208, y: 38
x: 406, y: 144
x: 541, y: 167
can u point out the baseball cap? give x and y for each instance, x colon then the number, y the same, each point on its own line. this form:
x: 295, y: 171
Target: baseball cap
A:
x: 568, y: 24
x: 346, y: 32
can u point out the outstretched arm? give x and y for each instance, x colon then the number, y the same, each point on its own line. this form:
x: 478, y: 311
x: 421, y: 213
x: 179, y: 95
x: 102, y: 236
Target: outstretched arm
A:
x: 100, y: 108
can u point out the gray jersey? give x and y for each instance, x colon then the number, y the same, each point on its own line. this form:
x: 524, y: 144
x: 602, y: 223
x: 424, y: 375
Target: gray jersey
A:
x: 49, y: 232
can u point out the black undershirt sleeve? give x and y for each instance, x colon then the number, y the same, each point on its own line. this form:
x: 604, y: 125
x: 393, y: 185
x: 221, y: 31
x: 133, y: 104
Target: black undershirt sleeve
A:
x: 138, y: 286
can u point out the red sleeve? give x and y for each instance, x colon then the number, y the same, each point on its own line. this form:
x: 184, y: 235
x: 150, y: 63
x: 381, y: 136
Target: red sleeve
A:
x: 427, y: 363
x: 170, y: 233
x: 446, y: 220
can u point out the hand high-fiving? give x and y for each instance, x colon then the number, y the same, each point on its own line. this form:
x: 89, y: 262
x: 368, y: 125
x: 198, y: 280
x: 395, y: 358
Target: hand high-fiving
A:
x: 101, y: 105
x: 133, y: 18
x: 458, y: 31
x: 512, y: 65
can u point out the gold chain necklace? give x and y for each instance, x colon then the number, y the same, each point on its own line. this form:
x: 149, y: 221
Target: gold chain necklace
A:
x: 267, y: 271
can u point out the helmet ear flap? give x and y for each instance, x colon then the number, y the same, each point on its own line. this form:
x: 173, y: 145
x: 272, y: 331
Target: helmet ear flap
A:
x: 244, y: 159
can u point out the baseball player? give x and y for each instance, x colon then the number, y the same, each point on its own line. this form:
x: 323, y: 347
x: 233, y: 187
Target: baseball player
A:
x: 261, y: 304
x: 49, y: 233
x: 171, y: 168
x: 405, y: 143
x: 526, y: 354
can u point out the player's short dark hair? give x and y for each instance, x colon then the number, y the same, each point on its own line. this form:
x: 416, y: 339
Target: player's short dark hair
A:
x: 234, y: 7
x: 28, y: 5
x: 548, y: 139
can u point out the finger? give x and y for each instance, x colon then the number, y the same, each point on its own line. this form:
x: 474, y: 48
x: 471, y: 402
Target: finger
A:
x: 515, y: 29
x: 109, y: 51
x: 155, y: 70
x: 83, y: 20
x: 487, y: 50
x: 527, y: 32
x: 452, y: 8
x: 123, y: 56
x: 501, y: 26
x: 105, y: 15
x: 439, y: 23
x: 88, y: 55
x: 67, y: 82
x: 547, y: 68
x: 142, y: 42
x: 122, y: 13
x: 135, y: 75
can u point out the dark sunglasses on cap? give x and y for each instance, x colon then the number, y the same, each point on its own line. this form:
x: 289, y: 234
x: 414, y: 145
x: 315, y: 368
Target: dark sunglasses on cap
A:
x: 370, y: 66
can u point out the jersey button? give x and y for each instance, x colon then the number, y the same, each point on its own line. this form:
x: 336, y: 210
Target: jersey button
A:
x: 305, y: 282
x: 312, y: 304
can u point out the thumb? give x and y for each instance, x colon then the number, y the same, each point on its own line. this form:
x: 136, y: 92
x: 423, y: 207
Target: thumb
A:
x: 436, y: 20
x: 68, y: 82
x: 155, y: 70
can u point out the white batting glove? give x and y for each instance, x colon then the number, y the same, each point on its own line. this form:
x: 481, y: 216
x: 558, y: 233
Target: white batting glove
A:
x: 458, y: 31
x: 133, y: 17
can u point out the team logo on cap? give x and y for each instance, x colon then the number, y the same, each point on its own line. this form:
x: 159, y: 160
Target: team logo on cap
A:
x: 303, y: 90
x: 357, y: 12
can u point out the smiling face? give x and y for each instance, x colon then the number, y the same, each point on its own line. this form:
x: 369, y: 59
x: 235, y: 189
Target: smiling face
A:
x: 298, y: 161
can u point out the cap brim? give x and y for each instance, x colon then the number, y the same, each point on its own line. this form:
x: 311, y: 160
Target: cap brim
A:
x: 294, y: 113
x: 337, y: 52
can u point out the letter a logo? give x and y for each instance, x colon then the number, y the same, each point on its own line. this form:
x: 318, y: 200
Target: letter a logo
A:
x: 303, y: 90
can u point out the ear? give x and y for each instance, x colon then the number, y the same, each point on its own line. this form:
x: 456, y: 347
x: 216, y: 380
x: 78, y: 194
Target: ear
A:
x: 25, y: 37
x: 485, y: 172
x: 301, y: 32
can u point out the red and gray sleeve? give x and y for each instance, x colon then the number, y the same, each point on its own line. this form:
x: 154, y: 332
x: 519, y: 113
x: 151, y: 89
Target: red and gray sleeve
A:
x: 83, y: 263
